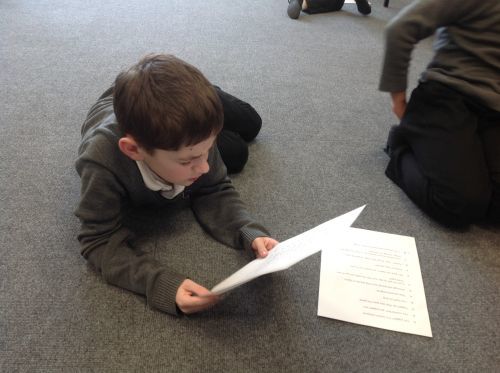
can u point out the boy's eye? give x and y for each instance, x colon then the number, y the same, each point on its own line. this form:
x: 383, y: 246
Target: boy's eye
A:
x: 185, y: 163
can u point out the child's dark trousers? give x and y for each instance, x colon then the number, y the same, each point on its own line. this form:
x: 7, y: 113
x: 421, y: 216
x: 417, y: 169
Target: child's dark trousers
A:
x: 446, y: 156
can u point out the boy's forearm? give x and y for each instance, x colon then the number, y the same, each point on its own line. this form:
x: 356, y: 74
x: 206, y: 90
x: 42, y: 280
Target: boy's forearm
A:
x: 130, y: 269
x: 105, y: 242
x: 225, y: 217
x: 221, y: 212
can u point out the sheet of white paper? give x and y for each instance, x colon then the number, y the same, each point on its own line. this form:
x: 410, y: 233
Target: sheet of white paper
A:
x: 373, y: 278
x: 289, y: 252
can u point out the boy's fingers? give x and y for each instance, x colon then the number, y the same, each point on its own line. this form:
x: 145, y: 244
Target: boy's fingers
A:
x: 262, y: 246
x: 193, y: 287
x: 261, y: 249
x: 196, y: 303
x: 270, y: 243
x: 192, y: 297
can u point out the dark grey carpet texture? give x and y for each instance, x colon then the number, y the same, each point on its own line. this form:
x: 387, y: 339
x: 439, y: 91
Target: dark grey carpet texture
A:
x: 319, y: 154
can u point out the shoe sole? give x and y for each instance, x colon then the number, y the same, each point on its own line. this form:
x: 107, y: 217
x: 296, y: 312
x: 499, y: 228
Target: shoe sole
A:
x: 294, y: 9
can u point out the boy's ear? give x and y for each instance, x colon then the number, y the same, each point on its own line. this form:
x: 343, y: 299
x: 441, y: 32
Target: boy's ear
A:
x: 130, y: 148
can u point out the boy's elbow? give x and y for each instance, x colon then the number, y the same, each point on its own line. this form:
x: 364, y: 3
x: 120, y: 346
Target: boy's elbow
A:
x: 94, y: 258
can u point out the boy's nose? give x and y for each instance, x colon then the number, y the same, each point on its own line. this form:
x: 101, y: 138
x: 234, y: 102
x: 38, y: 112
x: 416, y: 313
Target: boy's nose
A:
x: 203, y: 167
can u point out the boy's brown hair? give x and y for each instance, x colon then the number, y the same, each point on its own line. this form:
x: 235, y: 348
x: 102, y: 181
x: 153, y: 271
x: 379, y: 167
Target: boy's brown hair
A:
x: 166, y: 103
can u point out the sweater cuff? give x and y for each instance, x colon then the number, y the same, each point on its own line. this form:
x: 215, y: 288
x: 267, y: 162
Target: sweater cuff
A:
x: 164, y: 291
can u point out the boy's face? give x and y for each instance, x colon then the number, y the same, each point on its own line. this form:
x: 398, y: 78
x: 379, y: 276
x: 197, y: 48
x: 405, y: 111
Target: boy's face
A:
x: 181, y: 167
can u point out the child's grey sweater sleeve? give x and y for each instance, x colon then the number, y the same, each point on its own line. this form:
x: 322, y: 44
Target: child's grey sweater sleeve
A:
x: 106, y: 243
x: 220, y: 210
x: 415, y: 22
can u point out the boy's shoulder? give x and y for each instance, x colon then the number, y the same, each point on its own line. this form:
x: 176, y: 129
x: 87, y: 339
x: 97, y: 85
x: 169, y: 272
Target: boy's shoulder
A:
x: 100, y: 120
x: 100, y: 135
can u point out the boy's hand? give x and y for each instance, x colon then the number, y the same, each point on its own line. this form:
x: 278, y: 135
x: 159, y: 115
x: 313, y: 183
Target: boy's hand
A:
x: 261, y: 246
x: 191, y: 297
x: 398, y: 103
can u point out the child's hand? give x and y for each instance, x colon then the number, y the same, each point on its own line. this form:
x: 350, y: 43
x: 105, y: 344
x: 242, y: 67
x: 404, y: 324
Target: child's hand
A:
x: 398, y: 103
x: 191, y: 297
x: 261, y: 246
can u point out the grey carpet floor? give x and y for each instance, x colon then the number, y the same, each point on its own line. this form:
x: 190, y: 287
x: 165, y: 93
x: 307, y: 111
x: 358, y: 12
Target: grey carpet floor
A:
x: 319, y: 154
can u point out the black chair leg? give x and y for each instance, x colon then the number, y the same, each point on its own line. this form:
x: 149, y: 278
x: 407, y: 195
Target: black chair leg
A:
x: 386, y: 3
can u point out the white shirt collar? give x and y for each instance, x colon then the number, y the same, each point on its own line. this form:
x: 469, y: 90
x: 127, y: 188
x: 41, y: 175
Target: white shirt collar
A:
x: 157, y: 184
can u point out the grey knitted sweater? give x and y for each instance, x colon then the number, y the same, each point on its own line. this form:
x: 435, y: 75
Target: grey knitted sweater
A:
x: 467, y: 47
x: 111, y: 183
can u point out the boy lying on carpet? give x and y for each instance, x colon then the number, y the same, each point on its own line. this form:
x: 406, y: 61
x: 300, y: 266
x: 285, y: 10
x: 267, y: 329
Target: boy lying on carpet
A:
x: 150, y: 140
